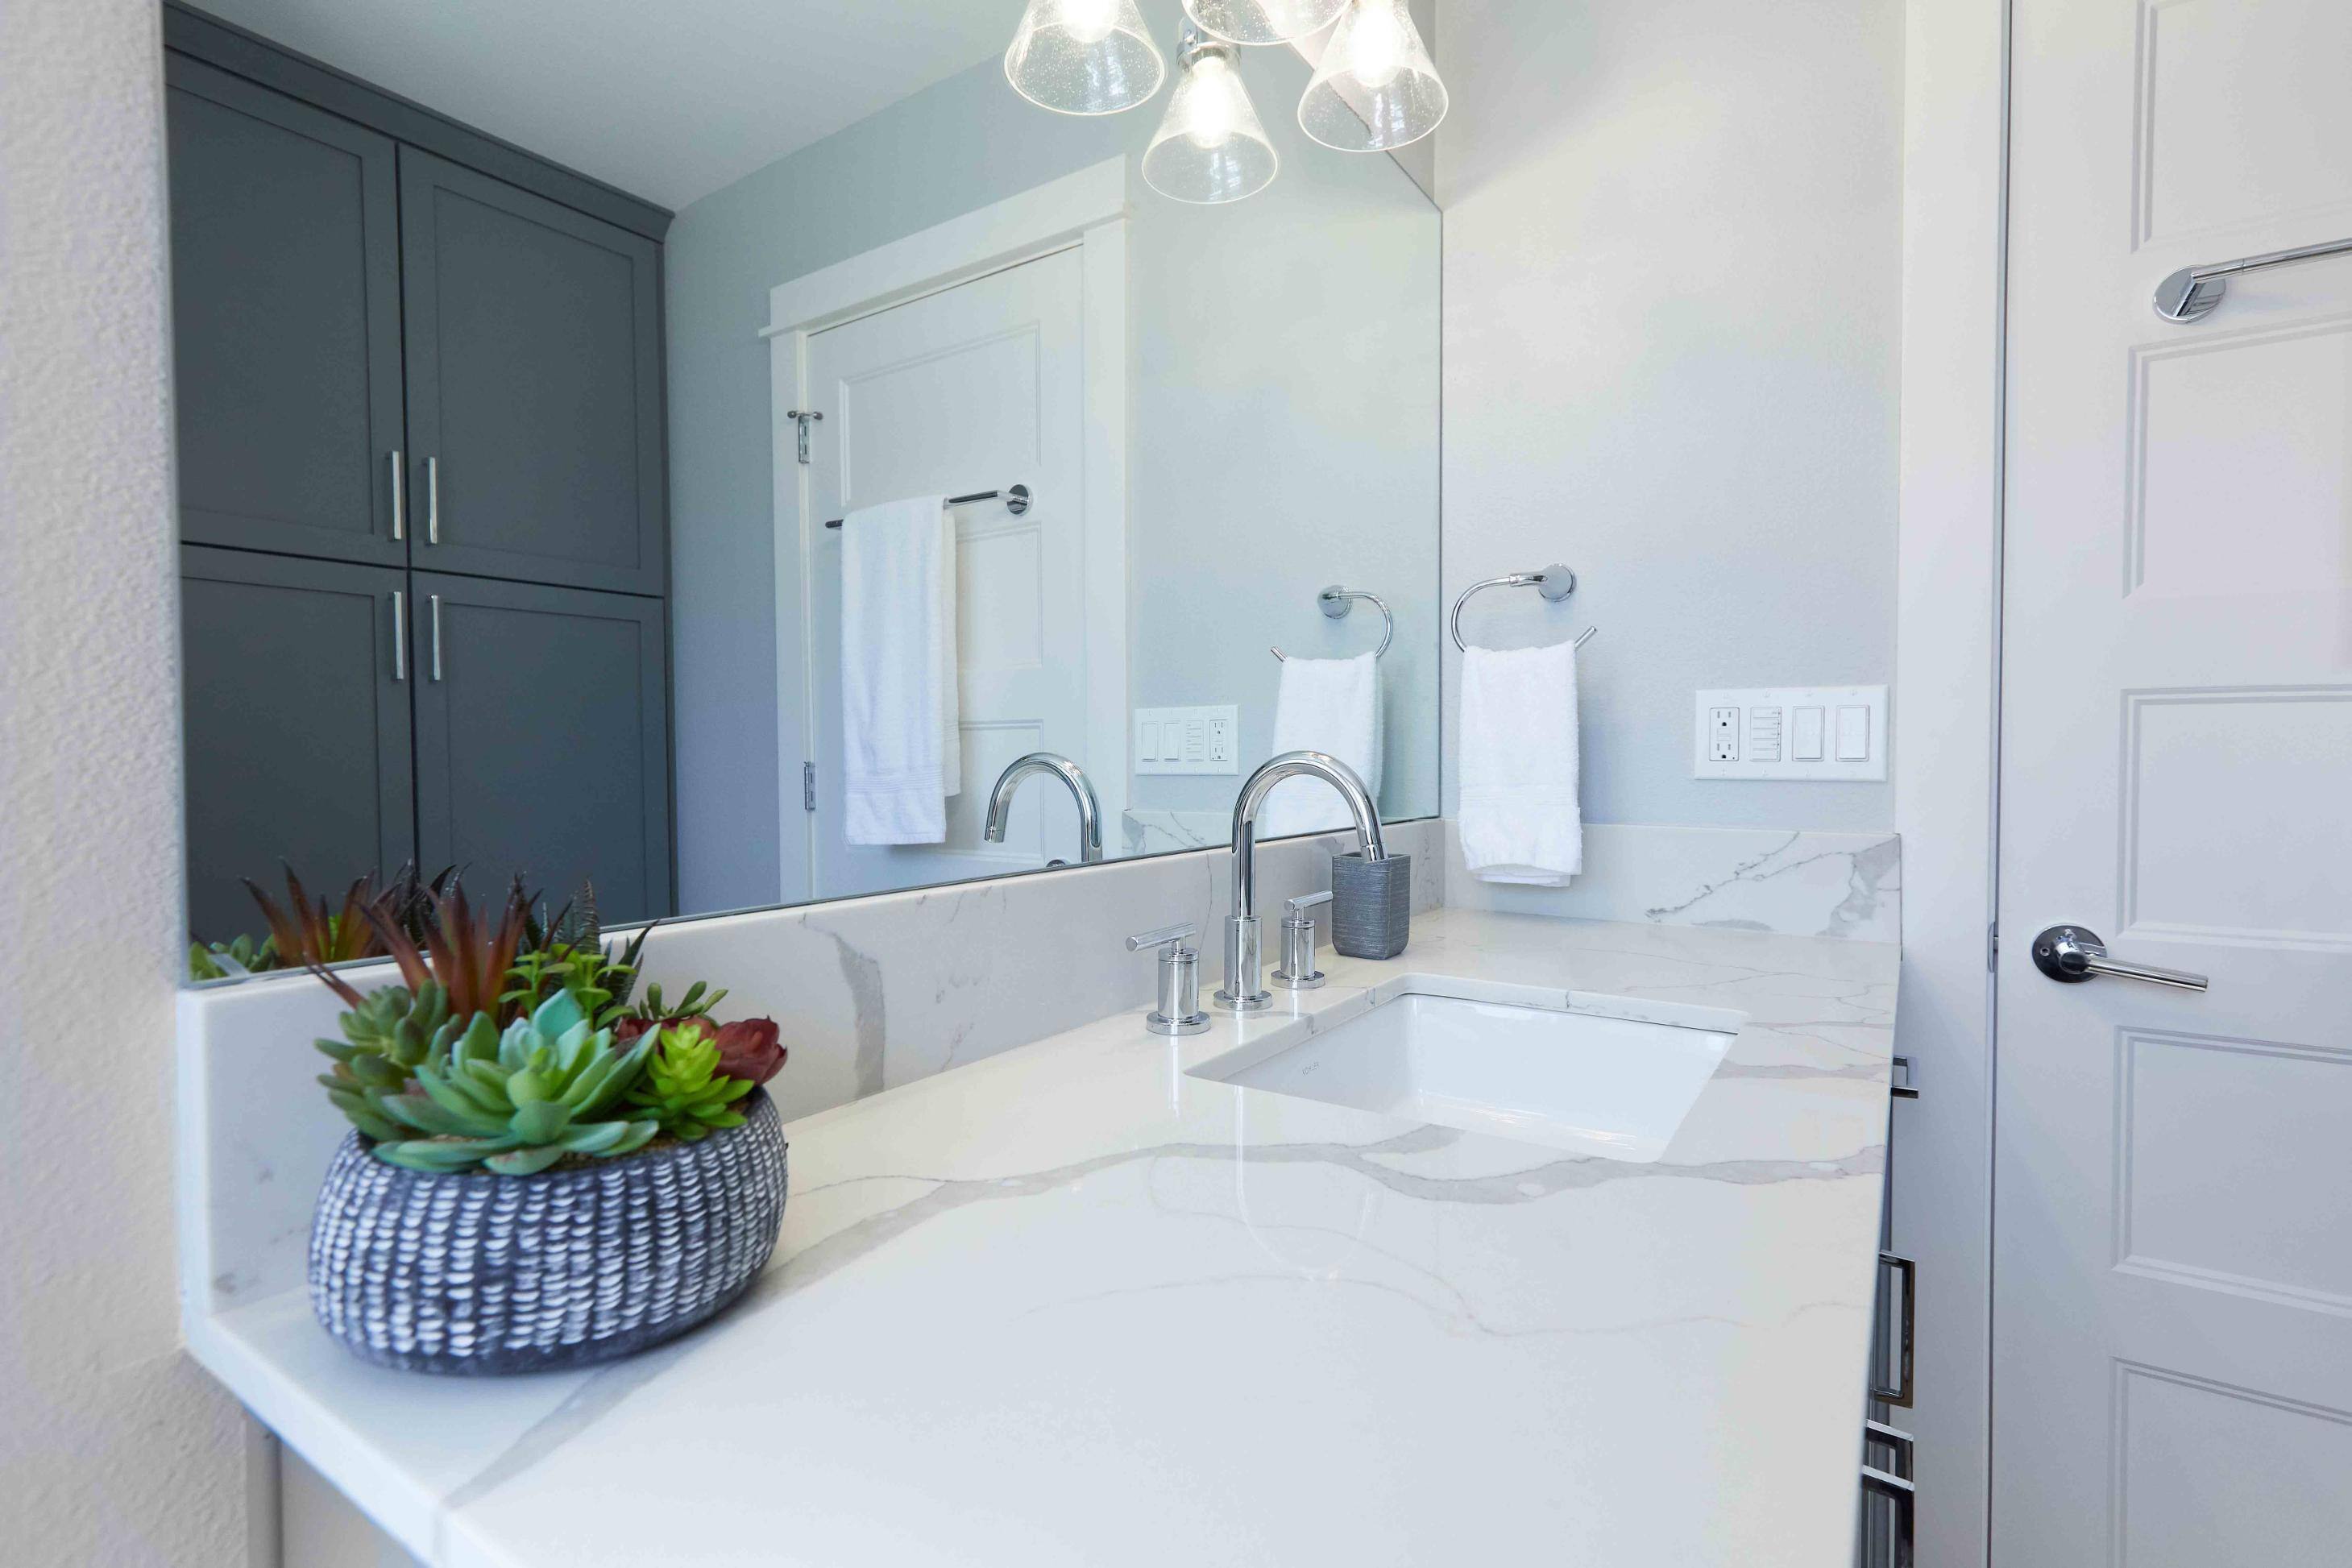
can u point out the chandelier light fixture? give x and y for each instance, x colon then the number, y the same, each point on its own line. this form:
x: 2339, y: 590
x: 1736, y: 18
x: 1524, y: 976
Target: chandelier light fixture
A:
x: 1374, y: 88
x: 1263, y: 21
x: 1084, y: 56
x: 1211, y: 146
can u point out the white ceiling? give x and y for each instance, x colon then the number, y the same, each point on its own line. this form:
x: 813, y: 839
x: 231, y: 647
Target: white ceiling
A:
x: 670, y: 99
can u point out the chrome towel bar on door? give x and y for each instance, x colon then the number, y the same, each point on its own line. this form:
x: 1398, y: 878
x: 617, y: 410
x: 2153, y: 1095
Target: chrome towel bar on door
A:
x: 1335, y: 602
x: 2194, y: 291
x: 1016, y: 497
x: 1555, y: 582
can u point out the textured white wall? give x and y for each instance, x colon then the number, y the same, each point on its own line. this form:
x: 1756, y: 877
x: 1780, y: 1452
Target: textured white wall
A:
x: 114, y: 1449
x: 1672, y: 247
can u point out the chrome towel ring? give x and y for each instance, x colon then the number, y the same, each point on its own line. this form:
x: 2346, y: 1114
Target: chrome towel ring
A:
x: 1337, y: 602
x: 1555, y: 582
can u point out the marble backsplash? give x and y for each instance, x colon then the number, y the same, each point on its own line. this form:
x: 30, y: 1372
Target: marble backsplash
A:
x: 871, y: 994
x: 1744, y: 879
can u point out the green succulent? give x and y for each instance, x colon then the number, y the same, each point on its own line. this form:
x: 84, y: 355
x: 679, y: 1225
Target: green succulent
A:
x: 240, y: 957
x: 683, y: 1090
x: 386, y: 1038
x: 568, y: 952
x: 519, y: 1102
x: 698, y: 1002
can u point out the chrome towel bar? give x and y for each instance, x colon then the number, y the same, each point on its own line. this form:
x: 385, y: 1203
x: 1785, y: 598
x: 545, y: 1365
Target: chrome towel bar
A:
x: 2194, y: 291
x: 1337, y: 602
x: 1555, y: 582
x: 1016, y: 497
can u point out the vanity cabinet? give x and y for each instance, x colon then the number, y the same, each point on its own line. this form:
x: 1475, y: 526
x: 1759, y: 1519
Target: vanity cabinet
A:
x: 533, y: 340
x: 542, y: 741
x: 285, y: 321
x: 295, y: 700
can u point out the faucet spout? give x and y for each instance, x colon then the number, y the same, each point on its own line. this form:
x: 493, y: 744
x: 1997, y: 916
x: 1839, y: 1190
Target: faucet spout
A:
x: 1082, y: 790
x: 1244, y: 990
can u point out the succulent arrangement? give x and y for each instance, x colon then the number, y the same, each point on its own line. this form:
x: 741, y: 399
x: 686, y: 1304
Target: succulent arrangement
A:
x: 514, y: 1042
x: 303, y: 933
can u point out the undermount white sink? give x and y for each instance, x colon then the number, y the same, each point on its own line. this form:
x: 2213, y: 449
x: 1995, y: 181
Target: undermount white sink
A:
x: 1577, y: 1081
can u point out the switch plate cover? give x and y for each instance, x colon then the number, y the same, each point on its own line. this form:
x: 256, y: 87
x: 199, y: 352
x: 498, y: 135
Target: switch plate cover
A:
x: 1777, y: 733
x: 1186, y: 740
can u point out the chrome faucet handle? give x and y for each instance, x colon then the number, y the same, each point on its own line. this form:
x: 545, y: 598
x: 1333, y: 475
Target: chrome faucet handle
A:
x: 1299, y: 971
x: 1177, y: 1010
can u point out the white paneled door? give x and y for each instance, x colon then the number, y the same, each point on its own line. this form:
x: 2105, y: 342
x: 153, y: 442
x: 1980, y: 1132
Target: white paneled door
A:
x: 2172, y: 1383
x: 976, y: 387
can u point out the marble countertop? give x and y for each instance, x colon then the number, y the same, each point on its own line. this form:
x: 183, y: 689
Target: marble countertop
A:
x: 1070, y: 1305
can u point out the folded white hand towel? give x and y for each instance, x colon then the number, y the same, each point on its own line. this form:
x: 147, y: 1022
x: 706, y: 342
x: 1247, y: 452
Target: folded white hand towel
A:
x: 898, y: 709
x: 1518, y: 815
x: 1330, y: 705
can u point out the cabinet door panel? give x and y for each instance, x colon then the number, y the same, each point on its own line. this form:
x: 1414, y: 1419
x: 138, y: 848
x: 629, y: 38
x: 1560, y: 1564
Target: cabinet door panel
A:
x: 543, y: 737
x: 285, y: 321
x: 297, y: 726
x: 534, y: 383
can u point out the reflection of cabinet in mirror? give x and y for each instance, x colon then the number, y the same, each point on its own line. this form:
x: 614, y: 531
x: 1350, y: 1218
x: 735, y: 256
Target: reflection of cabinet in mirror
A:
x: 542, y: 739
x: 405, y: 352
x: 296, y: 706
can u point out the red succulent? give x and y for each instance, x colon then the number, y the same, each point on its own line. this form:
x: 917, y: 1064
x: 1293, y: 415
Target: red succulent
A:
x: 751, y: 1048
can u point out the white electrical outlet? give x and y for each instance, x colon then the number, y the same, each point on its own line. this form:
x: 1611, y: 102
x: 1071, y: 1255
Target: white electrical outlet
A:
x: 1187, y: 740
x: 1790, y: 732
x: 1722, y: 739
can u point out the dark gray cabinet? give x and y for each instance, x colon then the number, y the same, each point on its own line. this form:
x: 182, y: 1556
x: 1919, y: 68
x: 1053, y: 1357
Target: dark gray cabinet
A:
x: 296, y: 713
x: 286, y: 317
x: 542, y: 743
x: 419, y: 392
x: 534, y: 376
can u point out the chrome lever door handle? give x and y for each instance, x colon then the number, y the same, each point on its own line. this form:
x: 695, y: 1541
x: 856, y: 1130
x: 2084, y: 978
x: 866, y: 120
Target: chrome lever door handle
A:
x: 2072, y: 954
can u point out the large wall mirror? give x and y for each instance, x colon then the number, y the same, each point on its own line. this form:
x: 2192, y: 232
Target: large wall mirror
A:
x: 701, y: 451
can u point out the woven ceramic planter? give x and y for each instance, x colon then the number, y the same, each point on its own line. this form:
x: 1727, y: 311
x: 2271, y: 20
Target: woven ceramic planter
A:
x: 486, y: 1274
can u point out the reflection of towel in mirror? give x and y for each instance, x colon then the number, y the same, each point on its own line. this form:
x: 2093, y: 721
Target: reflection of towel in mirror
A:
x: 1330, y: 705
x: 1519, y: 814
x: 900, y: 734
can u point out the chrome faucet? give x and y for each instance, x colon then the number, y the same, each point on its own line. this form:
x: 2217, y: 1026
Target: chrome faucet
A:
x: 1243, y: 990
x: 1000, y: 800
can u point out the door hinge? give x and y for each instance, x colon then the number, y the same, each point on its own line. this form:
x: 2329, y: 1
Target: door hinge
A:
x: 808, y: 786
x: 1992, y: 949
x: 803, y: 417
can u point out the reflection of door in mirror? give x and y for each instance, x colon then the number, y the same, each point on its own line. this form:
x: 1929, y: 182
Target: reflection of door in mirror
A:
x: 976, y: 387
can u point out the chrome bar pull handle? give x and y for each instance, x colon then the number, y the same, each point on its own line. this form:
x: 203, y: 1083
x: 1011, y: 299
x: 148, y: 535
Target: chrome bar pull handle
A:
x: 399, y: 497
x: 2191, y: 293
x: 436, y: 601
x: 1906, y: 1275
x: 399, y: 635
x: 2071, y: 954
x: 432, y: 501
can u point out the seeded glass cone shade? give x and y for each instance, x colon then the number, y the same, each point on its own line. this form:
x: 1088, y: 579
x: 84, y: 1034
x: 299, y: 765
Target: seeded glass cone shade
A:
x: 1210, y: 145
x: 1375, y: 89
x: 1084, y: 56
x: 1263, y: 21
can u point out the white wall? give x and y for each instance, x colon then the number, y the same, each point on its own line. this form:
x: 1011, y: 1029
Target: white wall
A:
x: 114, y: 1449
x: 1672, y: 244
